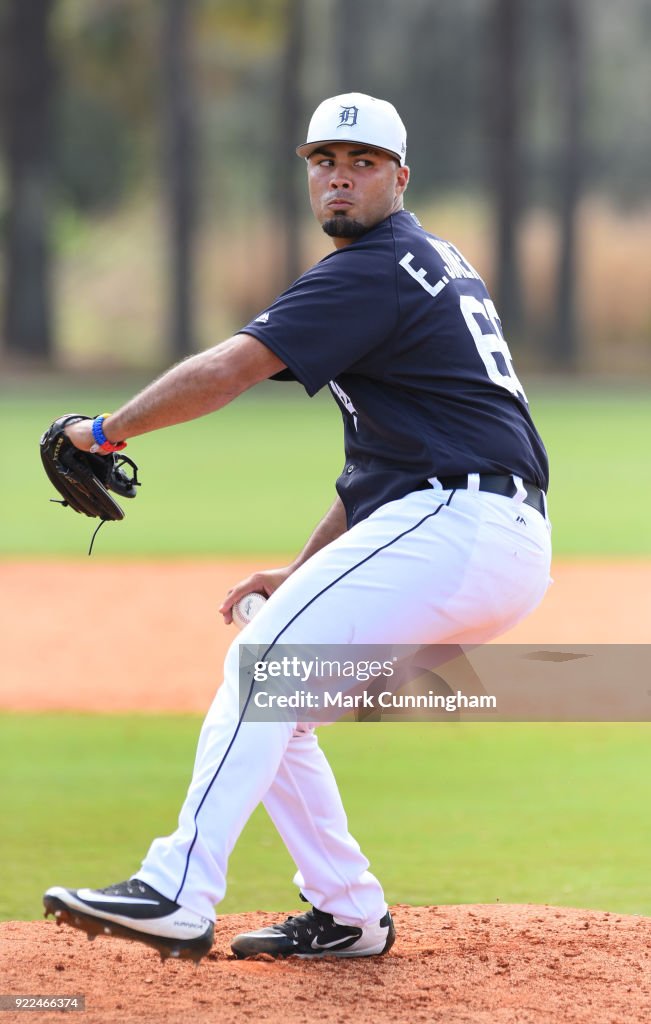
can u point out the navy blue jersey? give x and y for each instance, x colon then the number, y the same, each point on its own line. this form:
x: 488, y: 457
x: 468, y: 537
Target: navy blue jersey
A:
x: 402, y: 329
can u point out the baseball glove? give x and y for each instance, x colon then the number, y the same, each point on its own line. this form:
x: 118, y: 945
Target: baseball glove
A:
x: 83, y: 479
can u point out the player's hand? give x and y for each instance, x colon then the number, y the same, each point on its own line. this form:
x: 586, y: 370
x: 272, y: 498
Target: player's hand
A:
x: 81, y: 435
x: 260, y: 582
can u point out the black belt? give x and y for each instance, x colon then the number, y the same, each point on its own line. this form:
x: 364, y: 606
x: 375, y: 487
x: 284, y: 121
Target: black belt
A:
x: 494, y: 484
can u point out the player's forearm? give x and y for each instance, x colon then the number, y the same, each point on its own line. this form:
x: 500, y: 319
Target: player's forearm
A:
x: 268, y: 581
x: 331, y: 526
x: 198, y: 386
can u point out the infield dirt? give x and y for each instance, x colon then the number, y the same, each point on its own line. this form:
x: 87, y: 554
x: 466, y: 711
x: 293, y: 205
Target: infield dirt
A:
x: 163, y: 616
x: 459, y: 965
x: 454, y: 965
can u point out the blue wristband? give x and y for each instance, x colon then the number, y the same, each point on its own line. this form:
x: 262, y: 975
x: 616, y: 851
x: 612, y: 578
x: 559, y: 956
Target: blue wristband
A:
x: 101, y: 439
x: 98, y: 432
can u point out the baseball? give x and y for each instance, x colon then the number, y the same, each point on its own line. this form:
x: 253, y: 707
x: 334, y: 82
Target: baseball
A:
x: 246, y: 608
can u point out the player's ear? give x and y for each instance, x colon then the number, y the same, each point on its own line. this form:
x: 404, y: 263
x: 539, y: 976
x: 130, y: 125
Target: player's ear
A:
x: 402, y: 179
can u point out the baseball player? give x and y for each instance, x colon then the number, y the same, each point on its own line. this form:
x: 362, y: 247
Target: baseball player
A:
x: 438, y: 533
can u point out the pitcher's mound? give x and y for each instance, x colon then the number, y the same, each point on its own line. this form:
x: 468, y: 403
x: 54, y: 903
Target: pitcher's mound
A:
x: 473, y: 964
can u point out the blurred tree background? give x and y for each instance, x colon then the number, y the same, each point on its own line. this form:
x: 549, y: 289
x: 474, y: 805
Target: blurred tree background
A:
x: 151, y: 202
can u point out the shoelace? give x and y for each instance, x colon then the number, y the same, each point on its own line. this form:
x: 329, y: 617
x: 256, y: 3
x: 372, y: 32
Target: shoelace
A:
x: 133, y: 887
x: 308, y: 922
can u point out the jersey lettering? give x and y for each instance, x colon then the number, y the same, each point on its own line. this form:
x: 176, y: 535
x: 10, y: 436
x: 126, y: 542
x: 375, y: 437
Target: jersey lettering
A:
x: 491, y: 346
x: 420, y: 275
x: 339, y: 393
x: 489, y: 340
x: 454, y: 265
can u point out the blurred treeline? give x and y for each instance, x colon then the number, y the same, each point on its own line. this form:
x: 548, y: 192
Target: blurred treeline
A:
x: 151, y: 201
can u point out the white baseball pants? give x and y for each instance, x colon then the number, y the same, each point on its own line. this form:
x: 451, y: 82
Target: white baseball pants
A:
x: 454, y: 567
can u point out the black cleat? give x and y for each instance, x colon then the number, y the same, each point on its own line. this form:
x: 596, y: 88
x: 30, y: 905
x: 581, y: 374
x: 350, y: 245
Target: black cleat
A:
x: 133, y: 910
x: 317, y: 934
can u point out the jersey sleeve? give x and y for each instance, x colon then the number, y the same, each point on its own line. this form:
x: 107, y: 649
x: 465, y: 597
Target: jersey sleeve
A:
x: 332, y: 316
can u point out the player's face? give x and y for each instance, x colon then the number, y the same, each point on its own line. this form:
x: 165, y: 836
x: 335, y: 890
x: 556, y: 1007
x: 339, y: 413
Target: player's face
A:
x: 352, y: 188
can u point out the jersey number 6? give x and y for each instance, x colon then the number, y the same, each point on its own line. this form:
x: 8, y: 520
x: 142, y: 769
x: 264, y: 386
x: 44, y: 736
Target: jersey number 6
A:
x: 491, y: 346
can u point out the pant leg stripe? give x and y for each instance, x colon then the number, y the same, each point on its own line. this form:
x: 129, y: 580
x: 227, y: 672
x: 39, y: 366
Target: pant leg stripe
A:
x: 394, y: 540
x: 389, y: 543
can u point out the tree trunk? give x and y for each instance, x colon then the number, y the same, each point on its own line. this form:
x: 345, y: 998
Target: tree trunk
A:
x: 570, y: 47
x: 507, y: 160
x: 348, y: 63
x: 27, y: 88
x: 290, y: 190
x: 179, y: 172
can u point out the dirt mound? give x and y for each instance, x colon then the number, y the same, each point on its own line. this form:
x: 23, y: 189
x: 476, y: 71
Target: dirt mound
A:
x: 471, y: 964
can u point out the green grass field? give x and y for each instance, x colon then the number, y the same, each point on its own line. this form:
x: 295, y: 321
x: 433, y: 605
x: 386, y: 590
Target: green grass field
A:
x: 447, y: 814
x: 255, y: 477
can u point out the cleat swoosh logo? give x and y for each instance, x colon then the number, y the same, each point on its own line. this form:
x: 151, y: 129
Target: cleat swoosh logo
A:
x: 88, y: 896
x: 330, y: 945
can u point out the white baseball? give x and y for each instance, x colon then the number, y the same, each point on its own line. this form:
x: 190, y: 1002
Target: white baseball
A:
x: 247, y: 608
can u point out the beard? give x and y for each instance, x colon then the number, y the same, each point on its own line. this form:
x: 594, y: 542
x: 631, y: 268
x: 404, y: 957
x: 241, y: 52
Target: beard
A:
x: 342, y: 226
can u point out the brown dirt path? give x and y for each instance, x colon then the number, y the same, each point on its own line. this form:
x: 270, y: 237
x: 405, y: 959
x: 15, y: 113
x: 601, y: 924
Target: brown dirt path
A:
x: 454, y: 965
x: 164, y: 643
